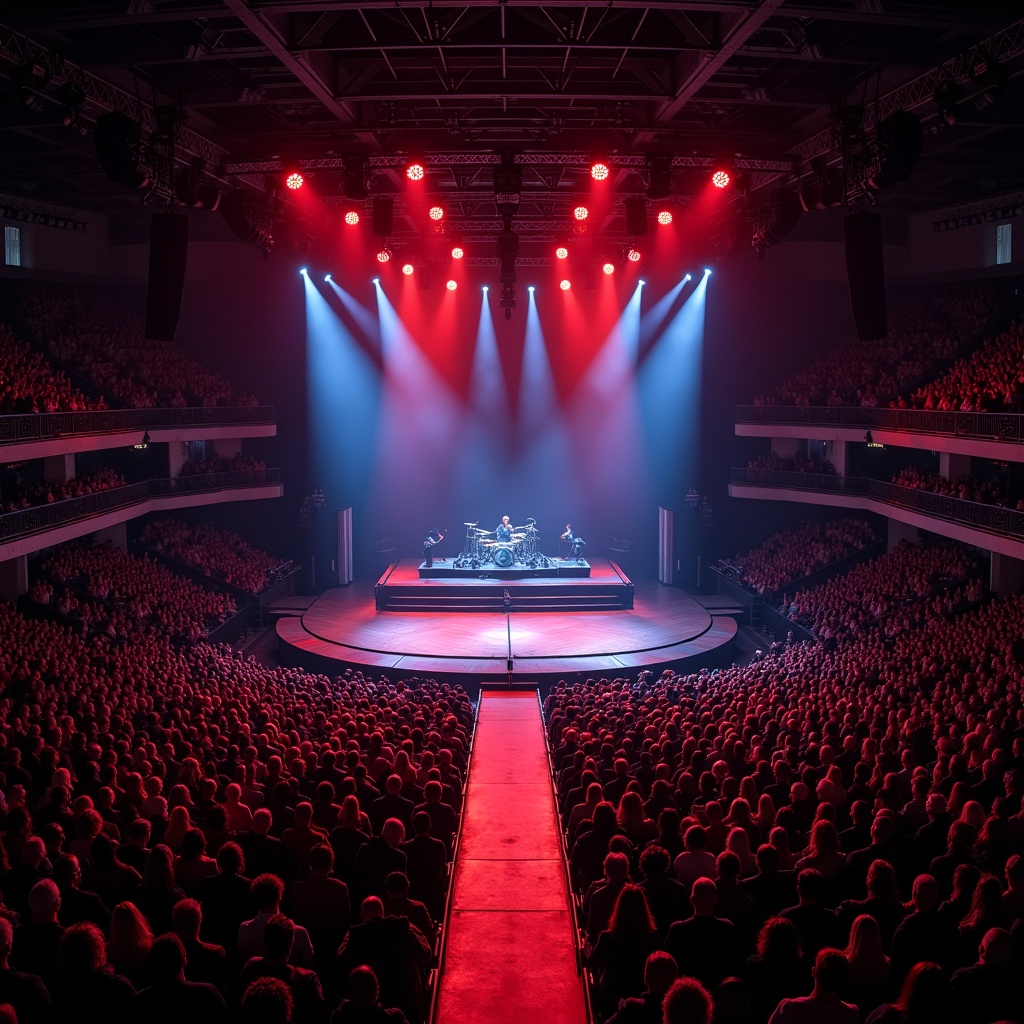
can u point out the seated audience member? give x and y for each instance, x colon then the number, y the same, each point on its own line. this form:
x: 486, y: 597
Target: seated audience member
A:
x: 776, y: 971
x: 307, y: 996
x: 267, y: 892
x: 398, y: 904
x: 204, y: 961
x: 25, y: 993
x: 128, y: 944
x: 226, y: 897
x: 171, y: 998
x: 668, y: 900
x: 989, y: 990
x: 376, y: 860
x: 362, y: 1004
x: 37, y: 941
x: 704, y: 946
x: 394, y: 950
x: 696, y: 861
x: 660, y: 972
x: 602, y: 896
x: 84, y: 978
x: 321, y: 904
x: 621, y: 950
x: 426, y: 866
x: 924, y: 997
x: 823, y: 1005
x: 266, y: 1001
x: 686, y: 1002
x: 816, y: 925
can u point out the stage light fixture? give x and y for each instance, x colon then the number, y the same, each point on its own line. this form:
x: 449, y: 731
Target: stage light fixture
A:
x: 294, y: 180
x: 665, y: 217
x: 376, y: 280
x: 599, y: 169
x: 458, y: 252
x: 436, y: 212
x: 707, y: 271
x: 530, y: 289
x: 642, y: 281
x: 633, y: 254
x: 486, y: 289
x: 452, y: 285
x: 302, y: 271
x: 327, y: 277
x: 562, y: 252
x: 351, y: 218
x: 384, y: 254
x: 564, y: 284
x: 721, y: 178
x: 609, y: 268
x: 581, y: 213
x: 688, y: 277
x: 415, y: 170
x: 407, y: 269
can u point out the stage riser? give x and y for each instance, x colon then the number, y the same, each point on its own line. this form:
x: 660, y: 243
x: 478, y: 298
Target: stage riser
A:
x: 560, y: 571
x: 539, y: 603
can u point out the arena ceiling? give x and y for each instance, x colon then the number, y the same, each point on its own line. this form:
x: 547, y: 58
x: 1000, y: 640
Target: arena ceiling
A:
x: 260, y: 84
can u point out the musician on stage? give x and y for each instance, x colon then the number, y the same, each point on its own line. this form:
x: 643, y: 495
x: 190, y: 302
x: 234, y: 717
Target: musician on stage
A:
x: 575, y: 542
x: 503, y: 532
x: 433, y: 539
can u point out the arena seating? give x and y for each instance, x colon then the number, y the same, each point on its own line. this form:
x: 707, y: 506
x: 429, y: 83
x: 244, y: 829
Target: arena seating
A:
x: 47, y: 493
x: 28, y: 384
x: 966, y: 488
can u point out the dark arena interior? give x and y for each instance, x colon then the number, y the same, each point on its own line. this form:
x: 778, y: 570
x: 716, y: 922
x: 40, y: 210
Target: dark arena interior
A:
x: 512, y: 513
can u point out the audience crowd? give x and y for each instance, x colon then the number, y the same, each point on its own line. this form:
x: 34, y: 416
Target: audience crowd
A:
x: 111, y: 590
x: 217, y: 553
x: 832, y: 833
x: 50, y: 491
x: 253, y: 467
x: 925, y: 336
x: 763, y: 465
x: 989, y: 380
x: 106, y: 345
x: 792, y: 554
x: 189, y: 834
x: 28, y: 384
x: 966, y: 488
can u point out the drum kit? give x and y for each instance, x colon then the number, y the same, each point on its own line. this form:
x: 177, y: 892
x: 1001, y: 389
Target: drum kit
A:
x: 482, y: 547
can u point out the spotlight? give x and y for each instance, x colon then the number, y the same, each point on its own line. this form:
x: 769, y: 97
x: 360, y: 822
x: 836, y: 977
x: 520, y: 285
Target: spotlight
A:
x: 642, y: 281
x: 581, y: 213
x: 609, y: 268
x: 707, y: 271
x: 687, y: 278
x: 530, y: 289
x: 486, y: 289
x: 665, y: 217
x: 384, y: 254
x: 436, y: 212
x: 407, y: 269
x: 564, y: 285
x: 302, y: 271
x: 562, y: 252
x: 294, y: 180
x: 376, y: 280
x: 352, y: 218
x: 415, y: 170
x: 721, y: 179
x: 458, y: 252
x: 452, y: 285
x: 633, y: 254
x: 599, y: 169
x: 327, y: 277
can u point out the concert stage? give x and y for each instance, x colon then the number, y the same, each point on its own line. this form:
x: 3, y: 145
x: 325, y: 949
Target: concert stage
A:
x: 563, y: 587
x: 665, y: 628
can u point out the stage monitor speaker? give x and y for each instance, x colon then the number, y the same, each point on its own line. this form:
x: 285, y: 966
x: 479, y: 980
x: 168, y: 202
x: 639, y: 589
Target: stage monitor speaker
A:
x: 383, y: 215
x: 345, y: 546
x: 636, y: 216
x: 666, y: 546
x: 865, y: 270
x: 168, y: 252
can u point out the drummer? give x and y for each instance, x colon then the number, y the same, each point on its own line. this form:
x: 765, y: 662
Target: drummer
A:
x: 503, y: 532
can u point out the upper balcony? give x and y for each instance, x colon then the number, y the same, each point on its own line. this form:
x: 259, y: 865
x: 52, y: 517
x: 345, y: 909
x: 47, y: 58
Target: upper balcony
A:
x: 991, y: 527
x: 31, y: 529
x: 987, y: 435
x: 38, y: 435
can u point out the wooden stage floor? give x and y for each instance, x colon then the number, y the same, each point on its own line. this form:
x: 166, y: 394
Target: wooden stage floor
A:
x: 665, y: 628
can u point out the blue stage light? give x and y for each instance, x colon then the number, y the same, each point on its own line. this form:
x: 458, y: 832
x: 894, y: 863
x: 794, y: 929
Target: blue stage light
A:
x: 376, y: 280
x: 327, y: 278
x: 642, y: 281
x: 302, y: 271
x: 530, y: 288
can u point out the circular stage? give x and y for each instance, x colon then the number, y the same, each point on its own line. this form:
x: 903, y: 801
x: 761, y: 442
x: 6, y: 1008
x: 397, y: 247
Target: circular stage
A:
x: 665, y: 628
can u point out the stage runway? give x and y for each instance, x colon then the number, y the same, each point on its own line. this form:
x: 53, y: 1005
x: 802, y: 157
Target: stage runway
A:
x: 665, y: 628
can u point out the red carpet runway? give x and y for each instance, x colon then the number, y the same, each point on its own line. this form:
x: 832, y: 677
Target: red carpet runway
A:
x: 510, y: 956
x: 665, y: 627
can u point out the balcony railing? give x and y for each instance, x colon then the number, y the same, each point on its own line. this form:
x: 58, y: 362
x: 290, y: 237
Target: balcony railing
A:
x: 1007, y: 522
x: 984, y: 426
x: 45, y: 426
x: 25, y: 522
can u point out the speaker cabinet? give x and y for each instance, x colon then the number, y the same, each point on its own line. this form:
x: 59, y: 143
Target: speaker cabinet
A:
x: 168, y: 252
x: 666, y: 546
x: 865, y: 270
x: 345, y: 546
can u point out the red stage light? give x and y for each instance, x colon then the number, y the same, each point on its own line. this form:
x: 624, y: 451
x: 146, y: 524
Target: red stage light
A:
x: 599, y: 170
x: 633, y: 255
x: 407, y: 269
x: 436, y: 212
x: 665, y: 217
x: 352, y: 218
x: 564, y: 285
x: 562, y: 252
x: 415, y: 171
x: 581, y: 213
x: 384, y: 255
x: 720, y: 179
x: 609, y: 268
x: 294, y: 180
x: 452, y: 285
x: 458, y: 252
